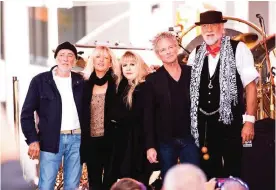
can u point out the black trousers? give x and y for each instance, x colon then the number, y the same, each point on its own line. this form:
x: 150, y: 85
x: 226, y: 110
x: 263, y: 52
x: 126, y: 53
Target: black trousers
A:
x: 99, y: 164
x: 224, y: 145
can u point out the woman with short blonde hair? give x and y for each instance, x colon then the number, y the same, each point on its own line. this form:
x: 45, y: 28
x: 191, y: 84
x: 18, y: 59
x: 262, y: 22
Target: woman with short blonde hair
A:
x: 99, y: 95
x: 89, y: 68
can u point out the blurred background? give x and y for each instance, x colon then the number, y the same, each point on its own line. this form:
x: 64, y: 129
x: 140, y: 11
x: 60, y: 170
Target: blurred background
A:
x: 31, y: 29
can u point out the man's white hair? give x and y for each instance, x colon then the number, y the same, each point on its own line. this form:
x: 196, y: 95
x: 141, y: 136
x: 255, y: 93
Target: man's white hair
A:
x: 185, y: 177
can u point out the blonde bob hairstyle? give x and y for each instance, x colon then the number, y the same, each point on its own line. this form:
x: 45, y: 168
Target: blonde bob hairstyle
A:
x: 89, y: 68
x: 143, y: 71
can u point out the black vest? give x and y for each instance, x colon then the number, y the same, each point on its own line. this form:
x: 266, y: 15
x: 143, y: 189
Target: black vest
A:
x: 209, y: 99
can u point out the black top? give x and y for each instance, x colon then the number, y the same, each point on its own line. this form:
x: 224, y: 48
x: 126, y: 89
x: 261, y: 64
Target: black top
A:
x: 121, y: 112
x: 86, y: 113
x: 129, y: 153
x: 180, y: 107
x: 158, y: 106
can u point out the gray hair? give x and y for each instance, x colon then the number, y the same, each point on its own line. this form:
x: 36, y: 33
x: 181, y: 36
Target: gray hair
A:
x: 185, y: 177
x: 163, y: 35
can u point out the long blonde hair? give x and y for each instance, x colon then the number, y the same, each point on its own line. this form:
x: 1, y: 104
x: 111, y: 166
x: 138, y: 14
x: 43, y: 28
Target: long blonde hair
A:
x: 89, y: 68
x: 142, y: 73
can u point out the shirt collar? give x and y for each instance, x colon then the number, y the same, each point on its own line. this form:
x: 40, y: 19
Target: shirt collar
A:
x: 54, y: 72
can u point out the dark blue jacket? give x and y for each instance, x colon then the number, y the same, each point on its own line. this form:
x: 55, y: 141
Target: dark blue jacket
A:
x: 44, y: 98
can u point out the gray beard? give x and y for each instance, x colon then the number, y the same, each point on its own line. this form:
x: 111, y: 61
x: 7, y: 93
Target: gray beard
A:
x: 63, y: 70
x: 211, y: 41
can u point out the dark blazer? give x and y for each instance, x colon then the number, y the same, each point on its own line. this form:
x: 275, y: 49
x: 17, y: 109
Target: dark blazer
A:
x: 157, y: 106
x: 44, y: 98
x: 86, y: 116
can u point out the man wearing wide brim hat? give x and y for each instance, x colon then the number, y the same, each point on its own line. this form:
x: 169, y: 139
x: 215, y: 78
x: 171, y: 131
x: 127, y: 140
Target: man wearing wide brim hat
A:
x: 221, y: 123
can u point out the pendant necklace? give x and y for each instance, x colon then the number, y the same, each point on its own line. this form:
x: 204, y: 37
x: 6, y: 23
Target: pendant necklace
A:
x: 210, y: 86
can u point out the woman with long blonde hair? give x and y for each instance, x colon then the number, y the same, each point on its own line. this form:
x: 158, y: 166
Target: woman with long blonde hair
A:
x: 129, y: 154
x: 134, y: 70
x: 99, y: 95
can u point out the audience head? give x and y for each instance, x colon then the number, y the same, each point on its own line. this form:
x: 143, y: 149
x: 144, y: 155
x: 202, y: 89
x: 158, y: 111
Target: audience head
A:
x: 185, y: 177
x: 128, y: 184
x: 234, y: 184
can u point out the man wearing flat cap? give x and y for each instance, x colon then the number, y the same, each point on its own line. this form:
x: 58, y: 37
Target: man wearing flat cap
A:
x: 56, y: 97
x: 221, y: 123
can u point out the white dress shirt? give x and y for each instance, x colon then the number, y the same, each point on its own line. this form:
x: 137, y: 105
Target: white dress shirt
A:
x: 244, y: 63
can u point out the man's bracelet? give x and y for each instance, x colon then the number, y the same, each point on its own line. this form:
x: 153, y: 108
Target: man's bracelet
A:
x: 248, y: 118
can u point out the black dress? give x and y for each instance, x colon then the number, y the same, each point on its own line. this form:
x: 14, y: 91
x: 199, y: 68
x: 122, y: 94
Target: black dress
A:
x: 129, y: 156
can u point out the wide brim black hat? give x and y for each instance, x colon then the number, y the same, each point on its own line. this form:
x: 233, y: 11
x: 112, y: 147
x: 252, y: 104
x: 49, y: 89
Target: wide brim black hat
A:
x: 211, y: 17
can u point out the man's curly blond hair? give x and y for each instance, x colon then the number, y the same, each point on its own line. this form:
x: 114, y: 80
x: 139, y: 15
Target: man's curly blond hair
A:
x: 160, y: 36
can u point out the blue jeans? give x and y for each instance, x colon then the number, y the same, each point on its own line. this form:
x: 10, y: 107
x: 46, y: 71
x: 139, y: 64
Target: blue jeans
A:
x: 185, y: 149
x: 69, y: 147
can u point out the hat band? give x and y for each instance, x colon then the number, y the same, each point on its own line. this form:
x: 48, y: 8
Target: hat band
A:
x: 209, y: 21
